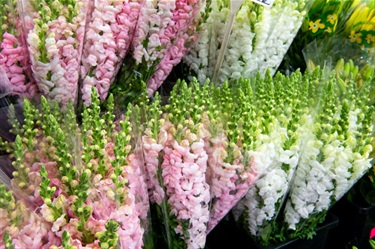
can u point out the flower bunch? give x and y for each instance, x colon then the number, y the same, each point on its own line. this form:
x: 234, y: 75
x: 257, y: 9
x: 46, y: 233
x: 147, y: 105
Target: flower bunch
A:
x: 14, y: 60
x: 163, y: 30
x: 237, y: 146
x: 75, y: 186
x: 360, y: 27
x: 55, y: 32
x: 263, y: 202
x: 176, y: 163
x: 203, y: 151
x: 333, y: 30
x: 326, y: 134
x: 259, y: 39
x: 109, y: 33
x: 336, y: 154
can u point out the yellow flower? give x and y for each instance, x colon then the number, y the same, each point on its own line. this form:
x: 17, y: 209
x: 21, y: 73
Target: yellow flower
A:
x: 328, y: 30
x: 355, y: 37
x: 315, y: 26
x: 370, y: 38
x: 332, y: 18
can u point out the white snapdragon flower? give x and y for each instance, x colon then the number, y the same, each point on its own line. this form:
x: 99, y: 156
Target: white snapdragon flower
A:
x: 259, y: 39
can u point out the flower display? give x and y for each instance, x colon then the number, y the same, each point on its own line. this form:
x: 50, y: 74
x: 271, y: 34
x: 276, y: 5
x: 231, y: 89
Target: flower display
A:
x: 192, y: 182
x: 75, y: 185
x: 235, y: 160
x: 255, y: 44
x: 55, y: 32
x: 14, y: 60
x: 103, y: 157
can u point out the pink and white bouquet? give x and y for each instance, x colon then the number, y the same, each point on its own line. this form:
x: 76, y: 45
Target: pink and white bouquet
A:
x: 176, y: 163
x: 14, y: 59
x: 163, y: 30
x: 75, y: 186
x: 196, y: 172
x: 232, y: 166
x: 109, y: 33
x: 55, y: 32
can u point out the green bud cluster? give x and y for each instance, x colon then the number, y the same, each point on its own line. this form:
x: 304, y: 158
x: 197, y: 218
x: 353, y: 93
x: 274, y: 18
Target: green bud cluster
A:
x: 154, y: 116
x: 8, y: 243
x: 66, y: 241
x: 109, y: 238
x: 21, y: 174
x: 94, y: 124
x: 7, y: 200
x: 8, y: 21
x: 178, y: 108
x: 45, y: 191
x: 81, y: 211
x: 121, y: 151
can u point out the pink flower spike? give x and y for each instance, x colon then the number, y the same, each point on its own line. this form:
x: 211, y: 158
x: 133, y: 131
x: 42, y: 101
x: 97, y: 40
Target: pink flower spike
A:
x: 15, y: 68
x: 109, y: 33
x: 184, y: 176
x: 55, y: 48
x: 372, y: 233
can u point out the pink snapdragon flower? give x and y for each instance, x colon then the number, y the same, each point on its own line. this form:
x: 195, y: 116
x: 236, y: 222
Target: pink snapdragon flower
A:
x: 35, y: 233
x: 137, y: 183
x: 176, y: 37
x: 171, y: 59
x: 14, y: 61
x: 163, y: 28
x: 108, y: 37
x: 184, y: 175
x: 229, y: 181
x: 152, y: 150
x: 130, y: 231
x: 55, y: 48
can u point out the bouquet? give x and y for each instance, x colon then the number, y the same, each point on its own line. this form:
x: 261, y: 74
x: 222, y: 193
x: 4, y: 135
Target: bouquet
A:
x: 74, y: 186
x: 259, y: 38
x: 15, y: 68
x: 163, y: 30
x: 200, y: 160
x: 176, y: 163
x: 263, y: 203
x: 55, y: 32
x: 324, y: 151
x: 335, y: 157
x: 333, y: 30
x: 236, y: 148
x: 109, y: 33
